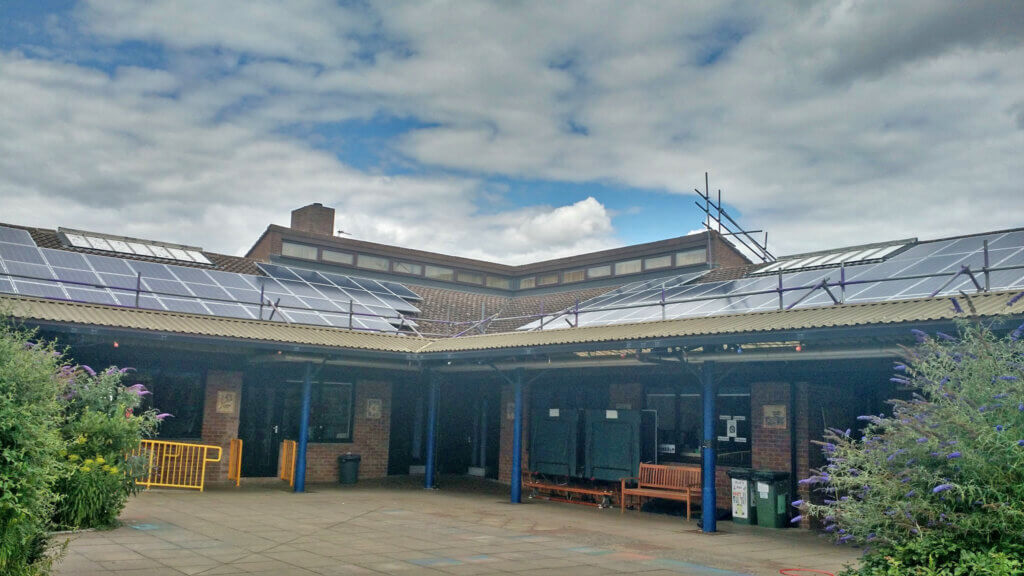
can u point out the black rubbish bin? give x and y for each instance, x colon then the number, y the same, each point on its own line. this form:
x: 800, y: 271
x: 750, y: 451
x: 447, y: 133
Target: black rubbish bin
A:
x: 744, y: 496
x: 772, y: 498
x: 348, y: 468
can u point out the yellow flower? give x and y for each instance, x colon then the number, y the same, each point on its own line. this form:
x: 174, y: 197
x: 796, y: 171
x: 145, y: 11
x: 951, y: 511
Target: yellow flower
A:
x: 80, y: 440
x: 114, y: 470
x: 73, y: 457
x: 100, y: 460
x: 63, y: 452
x: 106, y: 468
x: 86, y: 469
x: 88, y: 462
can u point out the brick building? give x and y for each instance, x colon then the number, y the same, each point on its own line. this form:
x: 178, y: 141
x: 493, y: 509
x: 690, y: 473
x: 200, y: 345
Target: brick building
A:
x: 389, y: 350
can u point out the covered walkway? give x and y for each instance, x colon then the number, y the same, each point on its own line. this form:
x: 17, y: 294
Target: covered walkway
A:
x: 394, y: 527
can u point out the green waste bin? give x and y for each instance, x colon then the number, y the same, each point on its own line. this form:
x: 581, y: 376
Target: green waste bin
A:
x: 348, y: 468
x: 744, y: 497
x: 772, y: 491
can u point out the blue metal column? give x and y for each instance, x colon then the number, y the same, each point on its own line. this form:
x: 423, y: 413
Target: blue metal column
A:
x: 517, y: 439
x: 428, y: 472
x: 300, y: 452
x: 708, y: 521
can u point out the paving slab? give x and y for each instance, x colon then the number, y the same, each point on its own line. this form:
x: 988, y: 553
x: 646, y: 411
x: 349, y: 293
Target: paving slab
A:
x: 466, y: 528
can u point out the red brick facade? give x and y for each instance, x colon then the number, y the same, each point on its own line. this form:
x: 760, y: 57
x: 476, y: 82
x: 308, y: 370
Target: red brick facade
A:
x: 370, y: 438
x: 220, y: 423
x: 505, y: 456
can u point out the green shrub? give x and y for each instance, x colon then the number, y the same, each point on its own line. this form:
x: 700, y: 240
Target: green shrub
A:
x: 30, y: 464
x: 937, y: 487
x: 102, y: 428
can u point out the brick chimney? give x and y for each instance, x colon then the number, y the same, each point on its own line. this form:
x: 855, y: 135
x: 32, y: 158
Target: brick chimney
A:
x: 315, y: 218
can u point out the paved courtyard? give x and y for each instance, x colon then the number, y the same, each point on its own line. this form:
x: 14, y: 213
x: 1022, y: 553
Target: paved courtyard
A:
x: 393, y: 527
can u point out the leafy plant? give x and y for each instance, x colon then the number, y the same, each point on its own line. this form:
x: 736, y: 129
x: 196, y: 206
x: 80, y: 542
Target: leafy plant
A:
x: 30, y: 384
x: 102, y: 427
x: 938, y: 485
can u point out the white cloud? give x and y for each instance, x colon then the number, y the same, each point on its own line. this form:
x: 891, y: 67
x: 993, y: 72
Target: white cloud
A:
x: 826, y: 123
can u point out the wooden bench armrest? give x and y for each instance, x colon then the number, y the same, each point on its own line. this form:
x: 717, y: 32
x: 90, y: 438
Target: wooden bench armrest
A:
x: 625, y: 481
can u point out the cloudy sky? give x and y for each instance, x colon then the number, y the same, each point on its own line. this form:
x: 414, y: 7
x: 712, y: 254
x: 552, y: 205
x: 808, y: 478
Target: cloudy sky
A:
x: 513, y: 131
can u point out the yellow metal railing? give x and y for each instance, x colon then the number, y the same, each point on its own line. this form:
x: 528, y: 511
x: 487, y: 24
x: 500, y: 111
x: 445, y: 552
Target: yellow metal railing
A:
x: 288, y: 449
x: 176, y: 464
x: 235, y: 461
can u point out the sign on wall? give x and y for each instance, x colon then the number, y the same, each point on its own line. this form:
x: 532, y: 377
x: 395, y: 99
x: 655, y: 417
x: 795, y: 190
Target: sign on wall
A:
x: 226, y: 400
x: 374, y: 407
x: 774, y: 417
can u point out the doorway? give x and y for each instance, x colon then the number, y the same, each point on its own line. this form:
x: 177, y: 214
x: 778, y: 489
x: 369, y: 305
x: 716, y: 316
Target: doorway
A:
x: 269, y: 414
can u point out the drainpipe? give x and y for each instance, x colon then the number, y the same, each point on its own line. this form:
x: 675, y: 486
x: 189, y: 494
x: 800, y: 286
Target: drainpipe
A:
x: 300, y: 453
x: 428, y: 476
x: 517, y: 439
x: 708, y: 506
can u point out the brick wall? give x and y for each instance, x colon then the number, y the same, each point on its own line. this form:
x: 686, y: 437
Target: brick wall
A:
x: 724, y: 255
x: 370, y: 438
x: 220, y: 427
x: 505, y: 454
x: 770, y: 446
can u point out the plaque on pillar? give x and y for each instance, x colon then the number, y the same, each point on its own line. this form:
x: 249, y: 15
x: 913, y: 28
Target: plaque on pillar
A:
x: 374, y: 407
x: 774, y: 417
x: 226, y: 402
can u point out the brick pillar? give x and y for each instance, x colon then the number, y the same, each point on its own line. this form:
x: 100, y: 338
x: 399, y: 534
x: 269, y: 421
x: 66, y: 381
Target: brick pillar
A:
x: 220, y: 417
x: 628, y: 396
x: 505, y: 455
x: 371, y: 437
x: 770, y: 444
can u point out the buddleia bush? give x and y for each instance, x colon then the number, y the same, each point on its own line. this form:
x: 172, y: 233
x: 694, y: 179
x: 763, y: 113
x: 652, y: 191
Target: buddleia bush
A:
x: 30, y: 442
x: 937, y: 486
x: 103, y: 425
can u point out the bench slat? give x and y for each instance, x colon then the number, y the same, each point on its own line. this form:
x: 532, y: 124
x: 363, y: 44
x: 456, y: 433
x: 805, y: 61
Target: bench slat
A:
x: 660, y: 481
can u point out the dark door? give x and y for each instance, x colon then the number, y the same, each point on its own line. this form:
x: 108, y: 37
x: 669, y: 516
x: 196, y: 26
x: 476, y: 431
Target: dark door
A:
x: 456, y: 419
x: 264, y: 422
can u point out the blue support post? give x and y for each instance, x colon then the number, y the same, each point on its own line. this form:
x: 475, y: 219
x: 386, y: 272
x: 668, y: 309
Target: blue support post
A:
x: 517, y: 439
x: 300, y: 452
x: 708, y: 521
x: 428, y: 469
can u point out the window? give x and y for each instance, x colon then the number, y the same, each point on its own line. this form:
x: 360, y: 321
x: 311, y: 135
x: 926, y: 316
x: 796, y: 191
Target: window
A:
x: 178, y: 392
x: 499, y: 282
x: 627, y: 267
x: 574, y: 276
x: 657, y: 262
x: 439, y: 273
x: 680, y: 421
x: 470, y: 277
x: 528, y: 282
x: 337, y: 257
x: 408, y: 268
x: 599, y: 271
x: 691, y: 257
x: 372, y: 262
x: 547, y: 279
x: 330, y: 419
x: 298, y: 250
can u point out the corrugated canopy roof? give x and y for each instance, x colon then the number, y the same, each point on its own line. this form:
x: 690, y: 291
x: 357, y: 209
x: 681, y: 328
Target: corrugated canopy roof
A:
x: 824, y: 317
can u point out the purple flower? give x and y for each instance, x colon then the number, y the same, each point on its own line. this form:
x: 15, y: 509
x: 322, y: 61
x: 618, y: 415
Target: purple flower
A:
x: 1008, y: 378
x: 900, y: 367
x: 1000, y: 428
x: 797, y: 503
x: 910, y: 494
x: 1014, y: 300
x: 163, y: 415
x: 952, y: 455
x: 922, y: 440
x: 898, y: 380
x: 1000, y: 396
x: 942, y: 488
x: 139, y: 389
x: 1020, y: 442
x: 796, y: 519
x: 89, y: 370
x: 945, y: 336
x: 1020, y: 407
x: 844, y: 539
x: 921, y: 336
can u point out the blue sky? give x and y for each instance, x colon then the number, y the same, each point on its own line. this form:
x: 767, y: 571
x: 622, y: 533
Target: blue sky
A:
x: 512, y: 132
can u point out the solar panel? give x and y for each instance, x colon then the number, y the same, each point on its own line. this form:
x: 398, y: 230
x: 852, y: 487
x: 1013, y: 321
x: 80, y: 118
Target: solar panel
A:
x: 16, y: 236
x: 914, y: 271
x: 297, y: 295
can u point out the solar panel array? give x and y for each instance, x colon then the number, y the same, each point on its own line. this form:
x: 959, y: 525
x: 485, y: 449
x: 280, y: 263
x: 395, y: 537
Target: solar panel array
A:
x: 289, y: 294
x: 915, y: 272
x: 93, y: 241
x: 833, y: 258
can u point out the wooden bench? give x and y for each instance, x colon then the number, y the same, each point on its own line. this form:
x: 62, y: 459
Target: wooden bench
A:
x: 588, y: 495
x: 657, y: 481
